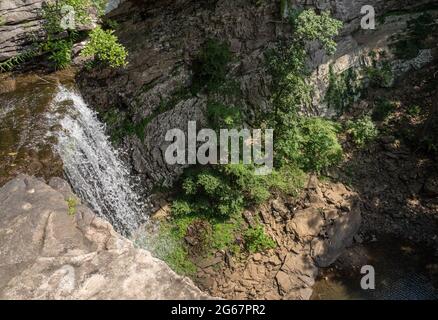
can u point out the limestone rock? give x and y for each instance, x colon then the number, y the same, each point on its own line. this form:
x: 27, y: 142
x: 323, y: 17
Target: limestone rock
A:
x: 47, y: 254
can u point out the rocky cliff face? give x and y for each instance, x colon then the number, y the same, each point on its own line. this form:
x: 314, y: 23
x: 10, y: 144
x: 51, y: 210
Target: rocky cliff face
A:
x: 53, y: 247
x: 20, y: 22
x: 163, y: 38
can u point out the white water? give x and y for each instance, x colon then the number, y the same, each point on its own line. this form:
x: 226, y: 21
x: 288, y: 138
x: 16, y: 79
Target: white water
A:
x: 93, y: 166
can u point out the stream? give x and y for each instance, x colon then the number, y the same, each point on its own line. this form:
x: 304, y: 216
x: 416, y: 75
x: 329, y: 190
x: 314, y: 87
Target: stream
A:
x: 46, y: 129
x: 46, y: 124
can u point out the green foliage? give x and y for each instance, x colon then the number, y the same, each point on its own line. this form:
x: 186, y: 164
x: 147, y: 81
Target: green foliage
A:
x: 60, y: 53
x: 343, y: 90
x: 72, y: 204
x: 380, y: 74
x: 14, y: 62
x: 310, y: 26
x: 382, y: 109
x: 362, y: 130
x: 419, y: 29
x: 414, y: 110
x: 312, y: 144
x: 288, y: 179
x: 287, y: 66
x: 105, y: 48
x: 208, y: 193
x: 168, y: 246
x: 210, y: 66
x: 222, y: 116
x: 53, y: 15
x: 223, y: 235
x: 256, y: 240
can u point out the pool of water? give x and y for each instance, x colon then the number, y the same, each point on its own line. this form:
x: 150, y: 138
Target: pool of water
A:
x: 403, y: 271
x: 27, y: 125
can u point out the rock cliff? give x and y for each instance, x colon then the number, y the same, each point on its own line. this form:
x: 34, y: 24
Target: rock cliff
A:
x: 53, y: 247
x: 164, y: 37
x: 20, y: 22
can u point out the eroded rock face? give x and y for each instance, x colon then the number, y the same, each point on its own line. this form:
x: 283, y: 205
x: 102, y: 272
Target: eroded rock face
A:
x: 22, y: 26
x: 53, y: 247
x: 164, y: 37
x: 19, y: 20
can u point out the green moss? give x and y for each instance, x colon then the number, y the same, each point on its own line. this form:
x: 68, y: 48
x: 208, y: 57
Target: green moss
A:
x: 72, y: 204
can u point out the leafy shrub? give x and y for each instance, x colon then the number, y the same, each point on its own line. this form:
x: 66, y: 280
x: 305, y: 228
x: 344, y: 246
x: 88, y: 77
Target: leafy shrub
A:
x: 382, y: 109
x: 60, y: 53
x: 256, y: 240
x: 224, y: 191
x: 362, y: 130
x: 414, y: 110
x: 312, y: 144
x: 289, y: 179
x: 52, y: 14
x: 310, y: 26
x: 343, y: 89
x: 380, y: 75
x: 210, y: 66
x: 208, y: 193
x: 11, y: 63
x: 105, y: 48
x: 181, y: 208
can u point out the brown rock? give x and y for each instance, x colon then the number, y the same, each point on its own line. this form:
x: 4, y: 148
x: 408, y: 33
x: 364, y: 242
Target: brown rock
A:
x: 340, y: 235
x: 306, y: 223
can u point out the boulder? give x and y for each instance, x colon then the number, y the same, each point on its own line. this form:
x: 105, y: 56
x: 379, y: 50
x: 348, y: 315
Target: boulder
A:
x: 297, y: 272
x: 339, y: 236
x: 51, y: 250
x: 306, y: 223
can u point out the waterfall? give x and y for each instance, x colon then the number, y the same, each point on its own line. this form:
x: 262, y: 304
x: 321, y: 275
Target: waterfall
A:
x: 93, y: 166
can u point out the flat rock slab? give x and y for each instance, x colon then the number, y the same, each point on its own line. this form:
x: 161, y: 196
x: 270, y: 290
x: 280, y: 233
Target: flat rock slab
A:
x: 45, y: 253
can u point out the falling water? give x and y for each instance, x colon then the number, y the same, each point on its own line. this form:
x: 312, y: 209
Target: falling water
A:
x: 93, y: 166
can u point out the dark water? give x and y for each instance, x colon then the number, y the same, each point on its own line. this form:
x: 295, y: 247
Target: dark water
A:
x: 402, y: 272
x: 27, y: 125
